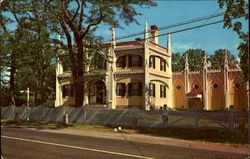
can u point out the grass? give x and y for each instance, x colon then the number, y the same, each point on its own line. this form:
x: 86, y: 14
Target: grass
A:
x: 207, y: 135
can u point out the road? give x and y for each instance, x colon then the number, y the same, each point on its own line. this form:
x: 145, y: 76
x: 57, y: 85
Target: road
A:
x: 22, y: 143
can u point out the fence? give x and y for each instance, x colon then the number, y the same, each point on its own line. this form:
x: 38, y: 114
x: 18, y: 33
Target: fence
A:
x: 131, y: 117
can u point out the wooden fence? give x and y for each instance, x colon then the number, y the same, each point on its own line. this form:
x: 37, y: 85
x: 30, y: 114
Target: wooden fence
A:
x: 232, y: 120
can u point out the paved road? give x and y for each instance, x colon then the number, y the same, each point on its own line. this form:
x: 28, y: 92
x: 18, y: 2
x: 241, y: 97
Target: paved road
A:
x: 24, y: 143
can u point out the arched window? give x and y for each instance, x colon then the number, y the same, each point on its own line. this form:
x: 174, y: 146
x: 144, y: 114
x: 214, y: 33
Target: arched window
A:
x: 121, y: 62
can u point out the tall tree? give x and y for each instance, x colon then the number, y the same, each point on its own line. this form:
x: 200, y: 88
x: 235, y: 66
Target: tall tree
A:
x: 217, y: 60
x: 195, y: 59
x: 78, y: 18
x: 236, y: 10
x: 177, y: 62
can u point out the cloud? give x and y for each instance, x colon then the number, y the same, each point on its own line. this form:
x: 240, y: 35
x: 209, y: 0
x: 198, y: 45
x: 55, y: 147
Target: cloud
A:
x: 185, y: 46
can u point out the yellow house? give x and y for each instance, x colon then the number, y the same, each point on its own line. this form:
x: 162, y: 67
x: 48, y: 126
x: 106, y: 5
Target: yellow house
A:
x: 139, y: 74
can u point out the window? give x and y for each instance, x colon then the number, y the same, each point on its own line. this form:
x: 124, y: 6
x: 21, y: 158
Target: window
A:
x: 215, y: 85
x: 152, y: 89
x: 152, y: 61
x: 135, y: 61
x: 178, y: 87
x: 237, y: 85
x: 68, y: 91
x: 163, y: 65
x: 163, y: 91
x: 135, y: 89
x: 120, y: 89
x: 121, y: 62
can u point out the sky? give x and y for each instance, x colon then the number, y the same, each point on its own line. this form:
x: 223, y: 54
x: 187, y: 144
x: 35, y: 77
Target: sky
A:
x: 168, y: 12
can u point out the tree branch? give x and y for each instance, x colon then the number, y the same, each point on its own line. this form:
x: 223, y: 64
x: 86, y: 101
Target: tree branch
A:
x: 81, y: 16
x: 77, y: 10
x: 83, y: 34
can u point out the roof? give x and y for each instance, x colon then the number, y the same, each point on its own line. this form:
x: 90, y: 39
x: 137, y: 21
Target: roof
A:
x: 105, y: 45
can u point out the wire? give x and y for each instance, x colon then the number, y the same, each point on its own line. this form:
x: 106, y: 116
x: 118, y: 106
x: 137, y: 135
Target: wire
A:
x: 174, y: 25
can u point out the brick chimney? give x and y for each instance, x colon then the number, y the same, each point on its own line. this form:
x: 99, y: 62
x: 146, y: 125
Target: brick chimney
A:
x: 154, y: 33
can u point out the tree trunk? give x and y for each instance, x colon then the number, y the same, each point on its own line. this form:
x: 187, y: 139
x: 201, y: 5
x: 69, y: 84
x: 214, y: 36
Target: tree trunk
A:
x: 79, y: 72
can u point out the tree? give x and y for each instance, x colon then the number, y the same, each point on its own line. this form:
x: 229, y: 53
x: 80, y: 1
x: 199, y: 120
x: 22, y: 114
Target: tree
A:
x: 235, y: 10
x: 177, y: 62
x: 217, y: 60
x: 27, y: 50
x: 78, y: 18
x: 195, y: 59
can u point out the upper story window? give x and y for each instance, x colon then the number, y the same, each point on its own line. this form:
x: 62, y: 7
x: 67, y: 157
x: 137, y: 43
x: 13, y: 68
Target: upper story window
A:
x: 152, y: 61
x: 152, y: 89
x: 163, y: 65
x: 121, y: 62
x: 135, y: 89
x: 163, y: 91
x: 135, y: 61
x: 120, y: 89
x: 67, y: 91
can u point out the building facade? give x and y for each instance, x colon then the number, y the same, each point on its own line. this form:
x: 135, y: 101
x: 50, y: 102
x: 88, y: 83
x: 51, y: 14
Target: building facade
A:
x: 139, y: 74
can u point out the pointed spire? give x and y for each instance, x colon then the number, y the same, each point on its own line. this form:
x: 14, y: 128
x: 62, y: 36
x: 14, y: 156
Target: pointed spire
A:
x: 146, y: 31
x: 113, y: 37
x: 169, y: 44
x: 226, y: 60
x: 205, y: 61
x: 186, y: 63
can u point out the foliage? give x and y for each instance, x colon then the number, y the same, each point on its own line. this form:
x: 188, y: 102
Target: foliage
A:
x: 27, y: 51
x: 177, y: 62
x: 236, y: 10
x: 217, y: 60
x: 195, y: 59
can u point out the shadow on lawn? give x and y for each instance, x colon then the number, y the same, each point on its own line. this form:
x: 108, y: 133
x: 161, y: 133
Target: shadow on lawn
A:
x: 36, y: 124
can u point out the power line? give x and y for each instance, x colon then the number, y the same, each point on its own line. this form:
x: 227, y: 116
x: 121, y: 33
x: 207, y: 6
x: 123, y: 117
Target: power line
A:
x: 174, y: 25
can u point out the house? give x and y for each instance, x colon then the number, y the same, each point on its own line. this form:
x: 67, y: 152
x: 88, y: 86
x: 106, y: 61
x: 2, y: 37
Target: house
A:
x: 139, y: 74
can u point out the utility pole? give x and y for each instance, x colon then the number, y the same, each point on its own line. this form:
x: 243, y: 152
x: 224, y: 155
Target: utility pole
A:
x: 28, y: 101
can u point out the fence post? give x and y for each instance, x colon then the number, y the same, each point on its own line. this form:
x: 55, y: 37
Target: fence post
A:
x: 17, y: 117
x: 231, y: 118
x: 65, y: 119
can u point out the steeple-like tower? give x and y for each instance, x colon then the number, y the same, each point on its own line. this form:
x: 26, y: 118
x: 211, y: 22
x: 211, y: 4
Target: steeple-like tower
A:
x: 169, y: 44
x: 186, y: 74
x: 205, y: 89
x: 146, y: 31
x: 113, y: 42
x: 226, y: 82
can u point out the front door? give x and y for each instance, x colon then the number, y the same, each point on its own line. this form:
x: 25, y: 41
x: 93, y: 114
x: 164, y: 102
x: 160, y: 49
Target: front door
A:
x: 100, y: 94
